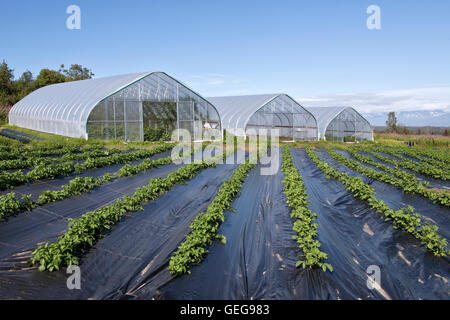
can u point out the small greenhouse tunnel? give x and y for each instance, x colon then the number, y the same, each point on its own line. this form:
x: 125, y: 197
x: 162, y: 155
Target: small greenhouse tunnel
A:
x: 343, y: 124
x: 254, y: 113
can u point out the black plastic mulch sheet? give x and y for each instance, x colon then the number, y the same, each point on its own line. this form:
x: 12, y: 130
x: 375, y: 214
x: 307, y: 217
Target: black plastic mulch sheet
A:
x: 137, y: 247
x: 37, y: 187
x: 258, y: 259
x: 395, y: 198
x: 22, y: 134
x: 15, y: 137
x: 434, y: 183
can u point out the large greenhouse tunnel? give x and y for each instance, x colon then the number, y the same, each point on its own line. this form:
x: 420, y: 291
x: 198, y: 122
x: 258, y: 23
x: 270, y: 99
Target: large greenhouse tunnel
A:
x: 342, y: 124
x: 245, y: 114
x: 118, y: 107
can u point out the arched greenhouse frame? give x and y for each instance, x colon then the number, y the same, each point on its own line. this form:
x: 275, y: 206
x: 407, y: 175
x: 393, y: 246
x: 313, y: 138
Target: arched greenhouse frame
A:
x: 342, y: 124
x: 243, y: 114
x: 117, y: 107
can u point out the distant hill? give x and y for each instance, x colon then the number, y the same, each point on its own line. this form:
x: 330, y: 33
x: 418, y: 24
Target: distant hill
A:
x: 419, y: 118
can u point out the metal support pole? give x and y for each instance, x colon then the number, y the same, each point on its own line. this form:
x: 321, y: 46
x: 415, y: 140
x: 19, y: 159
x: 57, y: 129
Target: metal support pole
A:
x: 178, y: 114
x: 125, y: 118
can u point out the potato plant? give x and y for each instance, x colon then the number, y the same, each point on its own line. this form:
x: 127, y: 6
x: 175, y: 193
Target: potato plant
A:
x: 405, y: 219
x: 10, y: 205
x: 83, y: 232
x: 407, y: 182
x: 51, y: 171
x: 305, y: 221
x: 204, y: 228
x: 419, y: 167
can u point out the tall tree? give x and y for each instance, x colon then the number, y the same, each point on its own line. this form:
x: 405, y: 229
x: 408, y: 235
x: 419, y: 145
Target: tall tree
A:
x: 76, y: 72
x: 391, y: 123
x: 47, y: 77
x: 6, y: 85
x: 24, y: 85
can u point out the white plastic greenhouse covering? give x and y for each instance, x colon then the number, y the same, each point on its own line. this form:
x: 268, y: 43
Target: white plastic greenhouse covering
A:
x: 115, y: 107
x: 340, y: 123
x: 240, y: 114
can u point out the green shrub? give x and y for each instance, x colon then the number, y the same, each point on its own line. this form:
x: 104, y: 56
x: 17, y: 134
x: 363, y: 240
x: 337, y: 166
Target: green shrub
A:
x: 156, y: 134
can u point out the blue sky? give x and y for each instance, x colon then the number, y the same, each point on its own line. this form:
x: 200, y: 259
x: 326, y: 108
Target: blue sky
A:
x: 316, y: 51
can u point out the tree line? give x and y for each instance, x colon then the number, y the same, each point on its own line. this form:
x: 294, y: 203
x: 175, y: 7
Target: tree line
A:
x: 393, y: 127
x: 12, y: 90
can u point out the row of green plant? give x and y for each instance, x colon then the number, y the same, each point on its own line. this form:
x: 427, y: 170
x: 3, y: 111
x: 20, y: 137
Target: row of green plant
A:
x: 419, y: 167
x: 10, y: 205
x: 426, y: 155
x: 305, y: 221
x: 33, y: 161
x: 7, y: 142
x: 83, y: 232
x: 442, y: 155
x: 405, y: 219
x: 57, y: 149
x: 423, y: 154
x: 51, y: 171
x: 407, y: 182
x: 76, y: 186
x: 80, y: 185
x: 204, y: 228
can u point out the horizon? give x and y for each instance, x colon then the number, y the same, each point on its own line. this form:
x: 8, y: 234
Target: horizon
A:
x: 320, y: 53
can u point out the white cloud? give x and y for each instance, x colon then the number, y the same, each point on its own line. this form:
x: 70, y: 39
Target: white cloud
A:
x: 437, y: 98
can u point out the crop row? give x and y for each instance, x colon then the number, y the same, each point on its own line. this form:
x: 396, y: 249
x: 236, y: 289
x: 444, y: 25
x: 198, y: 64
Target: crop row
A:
x: 10, y: 205
x: 415, y: 153
x: 83, y: 232
x: 204, y: 228
x: 404, y: 180
x: 50, y: 171
x: 440, y: 170
x: 305, y: 224
x: 78, y: 185
x: 419, y: 167
x: 437, y: 155
x: 405, y: 219
x: 36, y: 160
x: 10, y: 153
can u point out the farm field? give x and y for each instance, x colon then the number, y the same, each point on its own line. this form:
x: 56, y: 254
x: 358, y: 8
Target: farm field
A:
x: 142, y: 226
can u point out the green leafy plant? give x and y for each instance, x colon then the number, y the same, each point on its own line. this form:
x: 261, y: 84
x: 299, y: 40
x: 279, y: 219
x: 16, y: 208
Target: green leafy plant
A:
x: 305, y: 222
x: 83, y: 232
x: 10, y: 205
x: 406, y: 218
x: 205, y: 226
x: 408, y: 182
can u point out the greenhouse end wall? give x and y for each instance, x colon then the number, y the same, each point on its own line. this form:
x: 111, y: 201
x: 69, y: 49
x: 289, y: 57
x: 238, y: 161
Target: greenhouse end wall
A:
x: 156, y: 101
x: 341, y: 124
x: 349, y: 126
x: 250, y: 115
x: 292, y: 121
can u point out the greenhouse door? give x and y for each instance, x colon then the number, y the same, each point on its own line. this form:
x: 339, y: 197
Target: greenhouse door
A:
x: 133, y: 121
x: 186, y: 117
